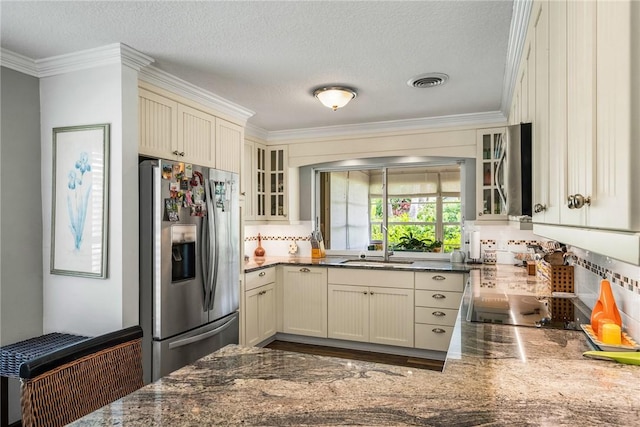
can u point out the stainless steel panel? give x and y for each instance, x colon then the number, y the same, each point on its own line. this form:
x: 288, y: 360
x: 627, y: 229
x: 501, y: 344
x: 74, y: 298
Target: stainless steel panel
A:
x: 174, y: 353
x: 224, y: 231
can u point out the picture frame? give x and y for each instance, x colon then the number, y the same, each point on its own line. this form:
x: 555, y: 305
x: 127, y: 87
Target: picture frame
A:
x: 80, y: 201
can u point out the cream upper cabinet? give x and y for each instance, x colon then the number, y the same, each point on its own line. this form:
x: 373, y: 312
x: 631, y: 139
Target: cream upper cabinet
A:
x: 247, y: 188
x: 196, y: 136
x: 615, y: 198
x: 267, y: 170
x: 172, y: 127
x: 278, y: 164
x: 550, y: 136
x: 229, y: 145
x: 158, y: 134
x: 304, y: 301
x: 489, y: 176
x: 581, y: 106
x: 550, y: 110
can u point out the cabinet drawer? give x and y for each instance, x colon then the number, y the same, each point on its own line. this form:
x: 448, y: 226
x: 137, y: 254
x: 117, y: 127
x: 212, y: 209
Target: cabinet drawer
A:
x: 436, y: 316
x: 379, y: 278
x: 258, y: 278
x: 440, y: 281
x: 438, y: 299
x: 433, y: 337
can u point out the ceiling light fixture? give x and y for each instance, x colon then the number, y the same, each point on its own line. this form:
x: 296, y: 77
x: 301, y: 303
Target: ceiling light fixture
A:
x: 334, y: 97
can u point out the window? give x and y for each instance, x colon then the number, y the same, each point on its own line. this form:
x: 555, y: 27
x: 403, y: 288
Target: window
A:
x: 424, y: 209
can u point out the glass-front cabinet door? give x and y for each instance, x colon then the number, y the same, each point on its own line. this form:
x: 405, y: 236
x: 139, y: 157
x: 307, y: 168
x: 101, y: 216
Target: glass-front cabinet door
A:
x: 261, y: 182
x: 490, y: 194
x: 277, y: 182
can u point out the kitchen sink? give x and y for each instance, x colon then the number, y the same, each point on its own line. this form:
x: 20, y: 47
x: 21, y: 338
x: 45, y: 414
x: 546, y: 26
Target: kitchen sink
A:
x: 377, y: 263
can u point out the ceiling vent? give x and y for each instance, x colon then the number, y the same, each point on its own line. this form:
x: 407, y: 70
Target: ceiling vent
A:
x: 428, y: 80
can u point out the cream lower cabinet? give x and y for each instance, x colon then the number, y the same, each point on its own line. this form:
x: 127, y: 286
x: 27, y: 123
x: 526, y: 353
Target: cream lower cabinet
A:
x: 304, y: 301
x: 437, y: 303
x: 377, y: 313
x: 260, y: 306
x: 371, y: 314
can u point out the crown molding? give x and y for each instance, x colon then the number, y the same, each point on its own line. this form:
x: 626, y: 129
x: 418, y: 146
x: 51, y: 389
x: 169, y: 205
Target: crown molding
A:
x: 473, y: 119
x: 517, y: 37
x: 116, y: 53
x: 18, y: 62
x: 164, y: 80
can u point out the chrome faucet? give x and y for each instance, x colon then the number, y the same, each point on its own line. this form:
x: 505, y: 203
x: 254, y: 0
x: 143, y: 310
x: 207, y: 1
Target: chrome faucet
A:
x: 385, y: 243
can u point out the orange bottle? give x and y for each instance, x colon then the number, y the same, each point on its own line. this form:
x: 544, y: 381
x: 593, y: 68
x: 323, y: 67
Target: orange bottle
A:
x: 605, y: 307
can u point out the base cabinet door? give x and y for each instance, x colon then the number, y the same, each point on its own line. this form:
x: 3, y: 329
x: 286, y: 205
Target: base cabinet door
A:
x: 349, y: 312
x: 305, y: 301
x: 371, y: 314
x: 391, y: 316
x: 260, y: 316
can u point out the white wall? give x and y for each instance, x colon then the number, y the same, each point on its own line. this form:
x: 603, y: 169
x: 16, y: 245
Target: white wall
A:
x: 105, y: 94
x: 20, y: 220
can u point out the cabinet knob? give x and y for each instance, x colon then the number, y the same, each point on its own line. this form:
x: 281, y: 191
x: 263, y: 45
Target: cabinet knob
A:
x: 365, y: 292
x: 304, y: 270
x: 577, y: 201
x: 438, y: 313
x: 438, y: 331
x: 438, y: 296
x: 438, y: 277
x: 538, y: 207
x: 370, y: 293
x: 262, y: 274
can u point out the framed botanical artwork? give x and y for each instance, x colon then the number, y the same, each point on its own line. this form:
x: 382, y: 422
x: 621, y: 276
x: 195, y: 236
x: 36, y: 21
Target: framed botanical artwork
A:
x: 80, y: 201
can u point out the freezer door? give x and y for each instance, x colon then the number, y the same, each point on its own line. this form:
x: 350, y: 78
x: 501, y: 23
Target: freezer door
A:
x: 176, y: 352
x: 224, y: 235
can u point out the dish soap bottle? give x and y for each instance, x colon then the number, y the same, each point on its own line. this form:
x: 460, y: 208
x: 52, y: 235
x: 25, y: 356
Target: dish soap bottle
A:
x: 605, y: 307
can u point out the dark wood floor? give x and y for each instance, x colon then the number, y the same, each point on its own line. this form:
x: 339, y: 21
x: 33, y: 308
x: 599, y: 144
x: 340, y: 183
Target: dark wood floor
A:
x: 367, y: 356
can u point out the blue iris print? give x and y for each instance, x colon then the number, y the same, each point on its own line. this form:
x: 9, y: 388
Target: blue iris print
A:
x: 78, y: 198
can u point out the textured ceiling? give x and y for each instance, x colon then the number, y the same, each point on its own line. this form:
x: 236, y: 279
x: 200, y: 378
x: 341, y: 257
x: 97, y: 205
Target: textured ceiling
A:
x: 269, y: 56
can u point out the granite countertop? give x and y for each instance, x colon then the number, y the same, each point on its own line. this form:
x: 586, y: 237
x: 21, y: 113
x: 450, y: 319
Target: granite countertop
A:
x: 254, y: 264
x: 494, y: 375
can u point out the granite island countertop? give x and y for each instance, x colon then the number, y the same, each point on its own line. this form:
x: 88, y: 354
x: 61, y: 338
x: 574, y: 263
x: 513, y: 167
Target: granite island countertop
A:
x: 339, y: 261
x: 494, y: 375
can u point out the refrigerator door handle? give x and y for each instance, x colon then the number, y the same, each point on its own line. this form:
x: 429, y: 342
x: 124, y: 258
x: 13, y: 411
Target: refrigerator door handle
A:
x: 201, y: 337
x: 214, y: 243
x: 204, y: 262
x: 208, y: 253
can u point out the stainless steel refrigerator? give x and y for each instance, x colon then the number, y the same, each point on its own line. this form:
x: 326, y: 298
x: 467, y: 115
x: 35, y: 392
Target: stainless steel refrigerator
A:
x: 189, y: 263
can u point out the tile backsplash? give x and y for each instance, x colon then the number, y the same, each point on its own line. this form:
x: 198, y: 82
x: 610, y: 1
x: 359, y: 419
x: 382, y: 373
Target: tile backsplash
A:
x: 590, y: 268
x: 276, y: 238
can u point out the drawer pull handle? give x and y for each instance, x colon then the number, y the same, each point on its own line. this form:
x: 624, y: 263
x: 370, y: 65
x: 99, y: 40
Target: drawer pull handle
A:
x: 439, y: 277
x: 262, y: 274
x: 438, y: 313
x: 304, y: 270
x: 438, y: 296
x: 438, y: 331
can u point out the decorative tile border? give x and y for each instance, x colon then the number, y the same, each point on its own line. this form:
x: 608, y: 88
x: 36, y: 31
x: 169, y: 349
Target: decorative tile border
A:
x: 616, y: 278
x: 277, y: 238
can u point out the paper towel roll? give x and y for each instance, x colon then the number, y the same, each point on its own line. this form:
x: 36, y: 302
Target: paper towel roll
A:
x: 474, y: 245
